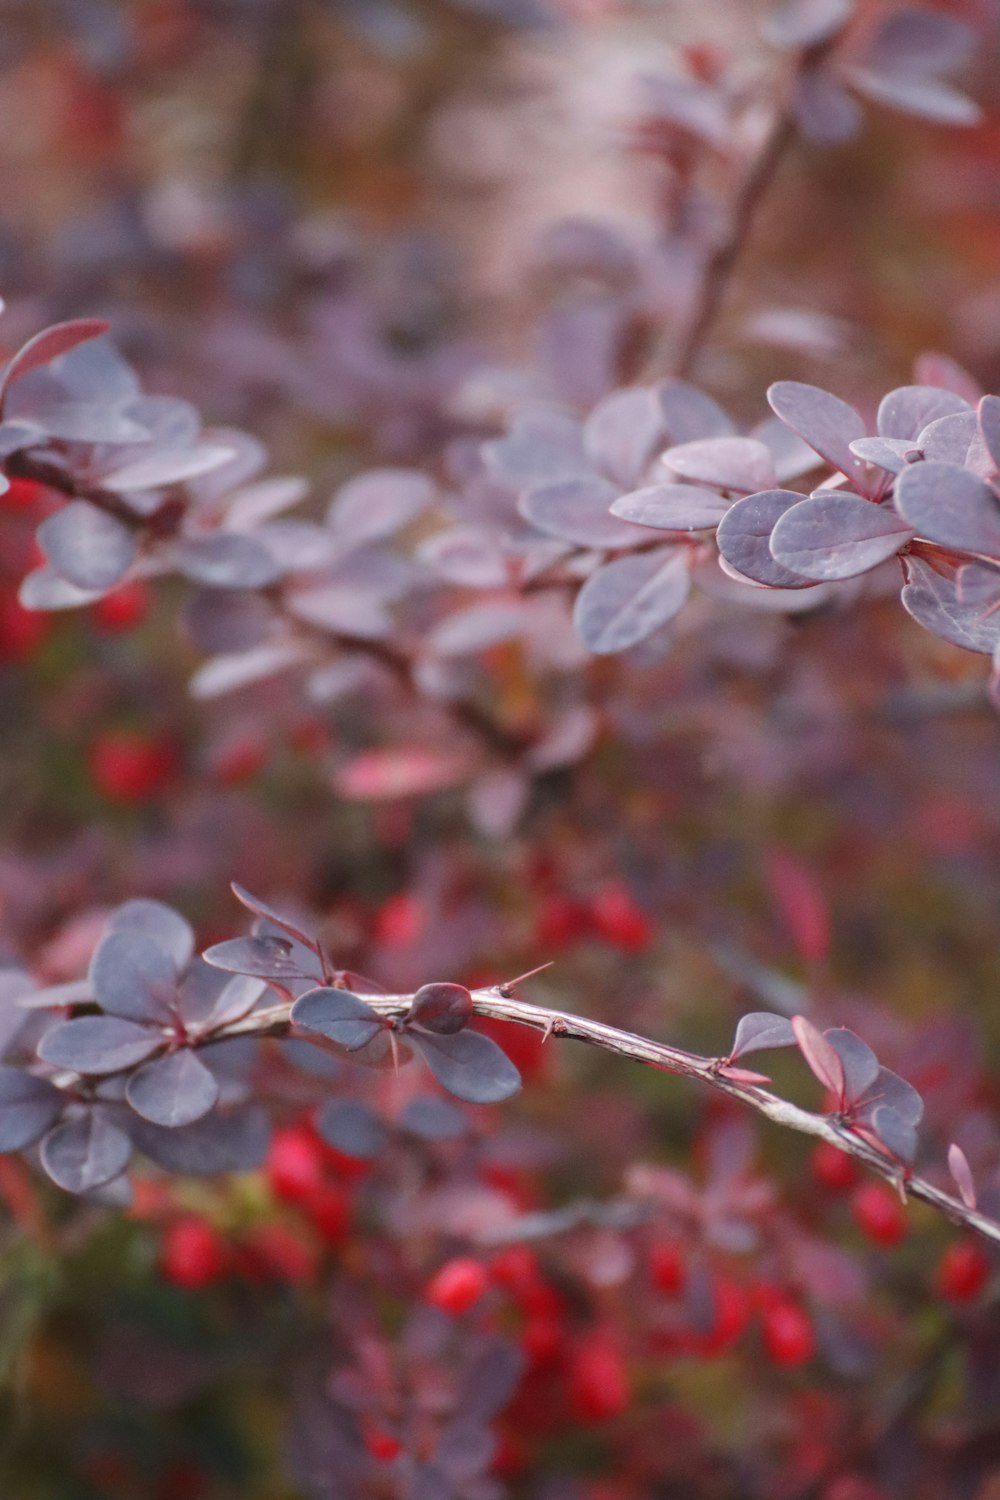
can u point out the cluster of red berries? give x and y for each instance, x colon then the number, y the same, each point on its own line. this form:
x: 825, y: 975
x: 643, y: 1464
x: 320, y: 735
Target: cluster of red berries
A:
x: 611, y: 915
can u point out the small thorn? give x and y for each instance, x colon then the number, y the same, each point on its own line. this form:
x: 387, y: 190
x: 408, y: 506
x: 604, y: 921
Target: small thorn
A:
x: 507, y: 986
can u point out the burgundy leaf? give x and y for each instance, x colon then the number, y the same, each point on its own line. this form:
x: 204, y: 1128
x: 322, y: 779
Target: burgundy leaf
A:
x: 261, y: 909
x: 48, y: 345
x: 219, y: 1142
x: 87, y: 546
x: 896, y: 1133
x: 173, y: 1090
x: 949, y: 505
x: 833, y: 536
x: 337, y: 1015
x: 933, y: 601
x: 469, y: 1065
x: 906, y: 411
x: 166, y: 927
x: 226, y: 560
x: 893, y: 1092
x: 672, y: 507
x: 822, y: 1057
x: 133, y: 977
x: 266, y: 957
x: 918, y: 42
x: 760, y: 1030
x: 860, y: 1065
x: 744, y: 539
x: 351, y: 1128
x: 85, y: 1152
x: 626, y: 600
x: 958, y: 1166
x: 28, y: 1106
x: 728, y: 463
x: 825, y: 422
x: 98, y: 1044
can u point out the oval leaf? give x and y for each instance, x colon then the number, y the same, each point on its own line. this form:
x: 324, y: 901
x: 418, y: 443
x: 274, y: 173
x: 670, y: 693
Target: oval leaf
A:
x: 577, y: 510
x: 86, y: 546
x: 672, y: 507
x: 28, y: 1106
x: 822, y: 1057
x: 744, y: 539
x: 626, y: 600
x: 836, y: 536
x: 48, y: 345
x: 469, y: 1065
x: 337, y: 1015
x: 822, y: 420
x: 958, y: 1166
x: 352, y: 1128
x: 760, y: 1030
x: 265, y: 957
x: 729, y: 463
x: 85, y: 1152
x: 133, y: 977
x: 174, y: 1090
x: 948, y: 504
x: 98, y: 1044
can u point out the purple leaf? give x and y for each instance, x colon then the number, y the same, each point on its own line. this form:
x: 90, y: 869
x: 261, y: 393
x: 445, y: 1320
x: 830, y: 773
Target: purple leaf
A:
x: 822, y: 1057
x: 46, y: 589
x: 897, y: 1134
x: 836, y: 536
x: 173, y: 1090
x: 920, y: 43
x: 133, y: 977
x: 989, y: 425
x: 978, y: 585
x: 468, y: 555
x: 672, y: 507
x: 688, y: 413
x: 626, y: 600
x: 906, y: 411
x: 477, y: 627
x: 206, y: 1008
x: 85, y: 1152
x: 226, y: 560
x: 860, y: 1065
x: 379, y: 503
x: 352, y: 1128
x: 958, y: 1166
x: 893, y: 1092
x: 48, y: 345
x: 224, y: 674
x: 469, y: 1065
x: 804, y: 23
x: 433, y: 1119
x: 337, y: 1015
x: 933, y: 368
x: 949, y: 505
x: 824, y: 111
x: 577, y: 510
x: 687, y: 105
x: 933, y: 602
x: 88, y: 547
x: 98, y: 1044
x: 265, y: 957
x: 443, y: 1008
x: 927, y: 98
x: 760, y: 1030
x: 889, y: 453
x: 621, y: 433
x: 157, y: 921
x: 261, y: 909
x: 28, y: 1106
x: 729, y: 463
x: 226, y: 622
x: 744, y: 538
x: 219, y: 1142
x: 166, y: 466
x: 822, y: 420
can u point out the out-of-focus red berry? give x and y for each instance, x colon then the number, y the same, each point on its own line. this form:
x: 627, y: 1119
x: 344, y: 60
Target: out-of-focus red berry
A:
x: 619, y: 921
x: 238, y: 760
x: 294, y: 1165
x: 457, y: 1286
x: 526, y: 1048
x: 732, y: 1318
x: 797, y: 895
x: 309, y: 735
x: 666, y: 1268
x: 399, y: 921
x: 962, y: 1272
x: 129, y: 766
x: 542, y: 1341
x: 515, y: 1268
x: 123, y: 609
x: 599, y: 1386
x: 274, y: 1252
x: 834, y: 1169
x: 381, y: 1444
x: 22, y: 630
x: 561, y: 922
x: 329, y: 1215
x: 193, y: 1253
x: 23, y: 494
x: 788, y: 1334
x: 879, y: 1213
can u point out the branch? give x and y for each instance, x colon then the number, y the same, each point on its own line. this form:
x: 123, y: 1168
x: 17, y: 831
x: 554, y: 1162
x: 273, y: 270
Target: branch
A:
x: 496, y: 1004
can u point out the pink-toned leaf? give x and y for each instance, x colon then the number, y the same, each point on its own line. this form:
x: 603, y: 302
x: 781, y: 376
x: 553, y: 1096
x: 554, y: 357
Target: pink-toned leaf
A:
x: 48, y: 345
x: 672, y: 507
x: 728, y: 463
x: 822, y: 1057
x: 947, y: 504
x: 744, y: 539
x: 958, y: 1166
x: 833, y: 535
x: 760, y: 1030
x: 626, y: 600
x: 379, y: 775
x: 822, y: 420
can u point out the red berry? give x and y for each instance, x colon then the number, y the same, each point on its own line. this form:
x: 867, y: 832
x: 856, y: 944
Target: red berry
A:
x: 192, y: 1254
x: 732, y: 1318
x: 834, y: 1169
x: 273, y: 1252
x: 561, y: 922
x: 788, y: 1334
x: 294, y: 1165
x: 22, y: 630
x: 619, y: 921
x: 879, y: 1213
x: 666, y: 1268
x: 399, y: 921
x: 129, y: 766
x: 962, y: 1272
x: 328, y: 1214
x: 238, y: 760
x: 382, y: 1445
x: 515, y: 1268
x: 23, y: 494
x: 598, y: 1381
x: 542, y: 1341
x: 123, y: 609
x: 457, y: 1286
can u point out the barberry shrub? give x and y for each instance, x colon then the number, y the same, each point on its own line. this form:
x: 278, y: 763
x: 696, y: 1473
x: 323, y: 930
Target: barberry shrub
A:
x: 605, y: 680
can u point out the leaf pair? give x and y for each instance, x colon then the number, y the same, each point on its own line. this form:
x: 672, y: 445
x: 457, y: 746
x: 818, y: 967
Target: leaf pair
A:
x: 871, y: 1099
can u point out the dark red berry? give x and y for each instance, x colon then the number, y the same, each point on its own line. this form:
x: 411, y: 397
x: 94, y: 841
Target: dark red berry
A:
x: 666, y: 1268
x: 598, y: 1381
x: 129, y: 766
x: 788, y: 1334
x: 879, y: 1213
x: 123, y: 609
x: 457, y: 1286
x: 834, y: 1169
x: 962, y: 1272
x: 294, y: 1165
x: 192, y: 1253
